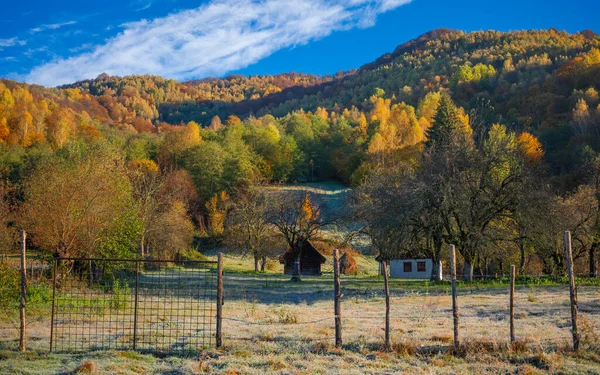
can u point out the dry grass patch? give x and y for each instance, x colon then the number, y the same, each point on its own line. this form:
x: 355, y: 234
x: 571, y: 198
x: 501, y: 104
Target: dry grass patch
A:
x: 437, y: 362
x: 405, y: 348
x: 321, y: 347
x: 475, y: 348
x: 518, y: 347
x: 529, y: 370
x: 86, y: 367
x: 446, y: 339
x: 276, y: 364
x: 546, y: 362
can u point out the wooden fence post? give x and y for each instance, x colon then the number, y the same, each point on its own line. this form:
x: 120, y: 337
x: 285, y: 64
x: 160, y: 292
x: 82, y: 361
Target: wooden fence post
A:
x: 218, y: 334
x: 23, y: 333
x: 54, y: 272
x: 572, y: 290
x: 512, y: 303
x: 337, y: 296
x: 388, y: 344
x: 135, y: 302
x: 454, y: 299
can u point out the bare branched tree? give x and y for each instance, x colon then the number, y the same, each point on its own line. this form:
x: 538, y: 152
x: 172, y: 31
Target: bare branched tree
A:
x: 298, y: 219
x: 248, y: 228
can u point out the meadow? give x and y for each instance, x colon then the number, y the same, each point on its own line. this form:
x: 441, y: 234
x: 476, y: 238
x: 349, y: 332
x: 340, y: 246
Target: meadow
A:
x: 275, y: 326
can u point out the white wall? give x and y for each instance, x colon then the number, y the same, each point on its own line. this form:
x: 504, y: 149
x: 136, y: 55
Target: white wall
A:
x: 397, y: 269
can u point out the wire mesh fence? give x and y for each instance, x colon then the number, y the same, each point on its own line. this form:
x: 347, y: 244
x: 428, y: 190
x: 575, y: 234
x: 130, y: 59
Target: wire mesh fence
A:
x: 96, y: 307
x: 269, y: 309
x: 163, y: 307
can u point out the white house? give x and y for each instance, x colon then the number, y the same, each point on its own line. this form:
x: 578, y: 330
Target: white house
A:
x: 411, y: 268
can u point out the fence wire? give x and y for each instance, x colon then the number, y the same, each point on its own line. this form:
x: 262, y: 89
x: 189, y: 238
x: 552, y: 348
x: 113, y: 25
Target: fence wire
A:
x: 421, y: 310
x: 148, y: 306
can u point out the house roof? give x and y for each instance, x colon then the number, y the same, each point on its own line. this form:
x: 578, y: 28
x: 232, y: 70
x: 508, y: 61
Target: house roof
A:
x: 307, y: 250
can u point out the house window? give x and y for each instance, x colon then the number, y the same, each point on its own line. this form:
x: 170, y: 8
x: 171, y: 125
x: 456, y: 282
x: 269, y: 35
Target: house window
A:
x: 420, y: 266
x: 407, y: 266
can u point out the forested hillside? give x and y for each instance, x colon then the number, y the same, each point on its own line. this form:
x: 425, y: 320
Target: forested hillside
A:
x: 178, y: 152
x: 534, y: 80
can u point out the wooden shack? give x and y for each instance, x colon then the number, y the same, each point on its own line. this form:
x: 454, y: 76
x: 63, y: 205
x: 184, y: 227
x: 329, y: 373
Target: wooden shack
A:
x: 310, y: 260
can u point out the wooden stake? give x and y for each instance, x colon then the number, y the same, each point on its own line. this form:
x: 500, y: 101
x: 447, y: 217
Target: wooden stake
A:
x: 512, y: 303
x: 454, y: 299
x: 388, y: 344
x: 219, y: 333
x: 135, y: 302
x: 572, y: 290
x: 337, y: 297
x: 23, y: 333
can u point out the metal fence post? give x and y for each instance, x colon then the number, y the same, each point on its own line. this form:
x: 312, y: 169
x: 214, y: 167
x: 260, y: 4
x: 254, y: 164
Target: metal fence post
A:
x: 218, y: 334
x: 572, y: 290
x: 135, y: 303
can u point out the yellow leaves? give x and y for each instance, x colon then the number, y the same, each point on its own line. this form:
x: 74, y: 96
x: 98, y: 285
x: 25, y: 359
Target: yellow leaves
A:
x: 144, y: 165
x: 191, y: 135
x: 381, y: 110
x: 33, y: 137
x: 377, y: 144
x: 73, y: 94
x: 592, y: 58
x: 465, y: 127
x: 233, y: 120
x: 427, y: 107
x: 531, y: 148
x: 307, y: 213
x: 60, y: 125
x: 322, y: 113
x: 217, y: 208
x: 4, y: 130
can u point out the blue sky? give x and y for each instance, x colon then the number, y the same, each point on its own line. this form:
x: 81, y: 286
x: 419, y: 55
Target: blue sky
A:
x: 71, y: 40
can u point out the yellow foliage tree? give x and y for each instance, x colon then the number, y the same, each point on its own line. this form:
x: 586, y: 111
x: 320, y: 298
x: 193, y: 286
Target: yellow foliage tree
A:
x: 217, y: 209
x: 531, y: 148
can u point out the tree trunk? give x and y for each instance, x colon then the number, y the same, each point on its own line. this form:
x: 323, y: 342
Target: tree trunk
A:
x: 256, y: 261
x: 296, y: 275
x: 142, y: 247
x: 436, y: 270
x: 263, y: 264
x: 522, y: 261
x: 468, y: 270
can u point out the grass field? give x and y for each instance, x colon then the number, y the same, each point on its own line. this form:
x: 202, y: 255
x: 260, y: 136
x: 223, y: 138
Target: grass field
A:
x: 274, y: 326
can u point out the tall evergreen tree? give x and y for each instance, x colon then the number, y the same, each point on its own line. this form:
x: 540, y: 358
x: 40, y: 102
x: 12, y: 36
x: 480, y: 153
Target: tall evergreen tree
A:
x: 446, y: 124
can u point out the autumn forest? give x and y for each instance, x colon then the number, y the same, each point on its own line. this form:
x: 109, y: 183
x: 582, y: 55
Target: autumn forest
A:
x: 487, y: 140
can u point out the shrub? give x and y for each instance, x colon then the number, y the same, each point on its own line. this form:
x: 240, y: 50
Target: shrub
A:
x: 272, y: 265
x: 9, y: 289
x: 120, y: 295
x: 190, y: 254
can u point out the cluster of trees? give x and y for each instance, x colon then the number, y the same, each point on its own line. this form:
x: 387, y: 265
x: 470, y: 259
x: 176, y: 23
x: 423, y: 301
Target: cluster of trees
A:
x: 485, y: 189
x: 123, y: 195
x: 157, y: 161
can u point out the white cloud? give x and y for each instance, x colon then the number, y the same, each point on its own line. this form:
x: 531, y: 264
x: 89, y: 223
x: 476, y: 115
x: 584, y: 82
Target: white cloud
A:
x: 51, y: 26
x: 11, y: 42
x: 141, y: 4
x: 213, y: 39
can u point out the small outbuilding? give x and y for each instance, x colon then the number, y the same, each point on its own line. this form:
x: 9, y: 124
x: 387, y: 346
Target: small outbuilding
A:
x: 411, y: 268
x: 310, y: 260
